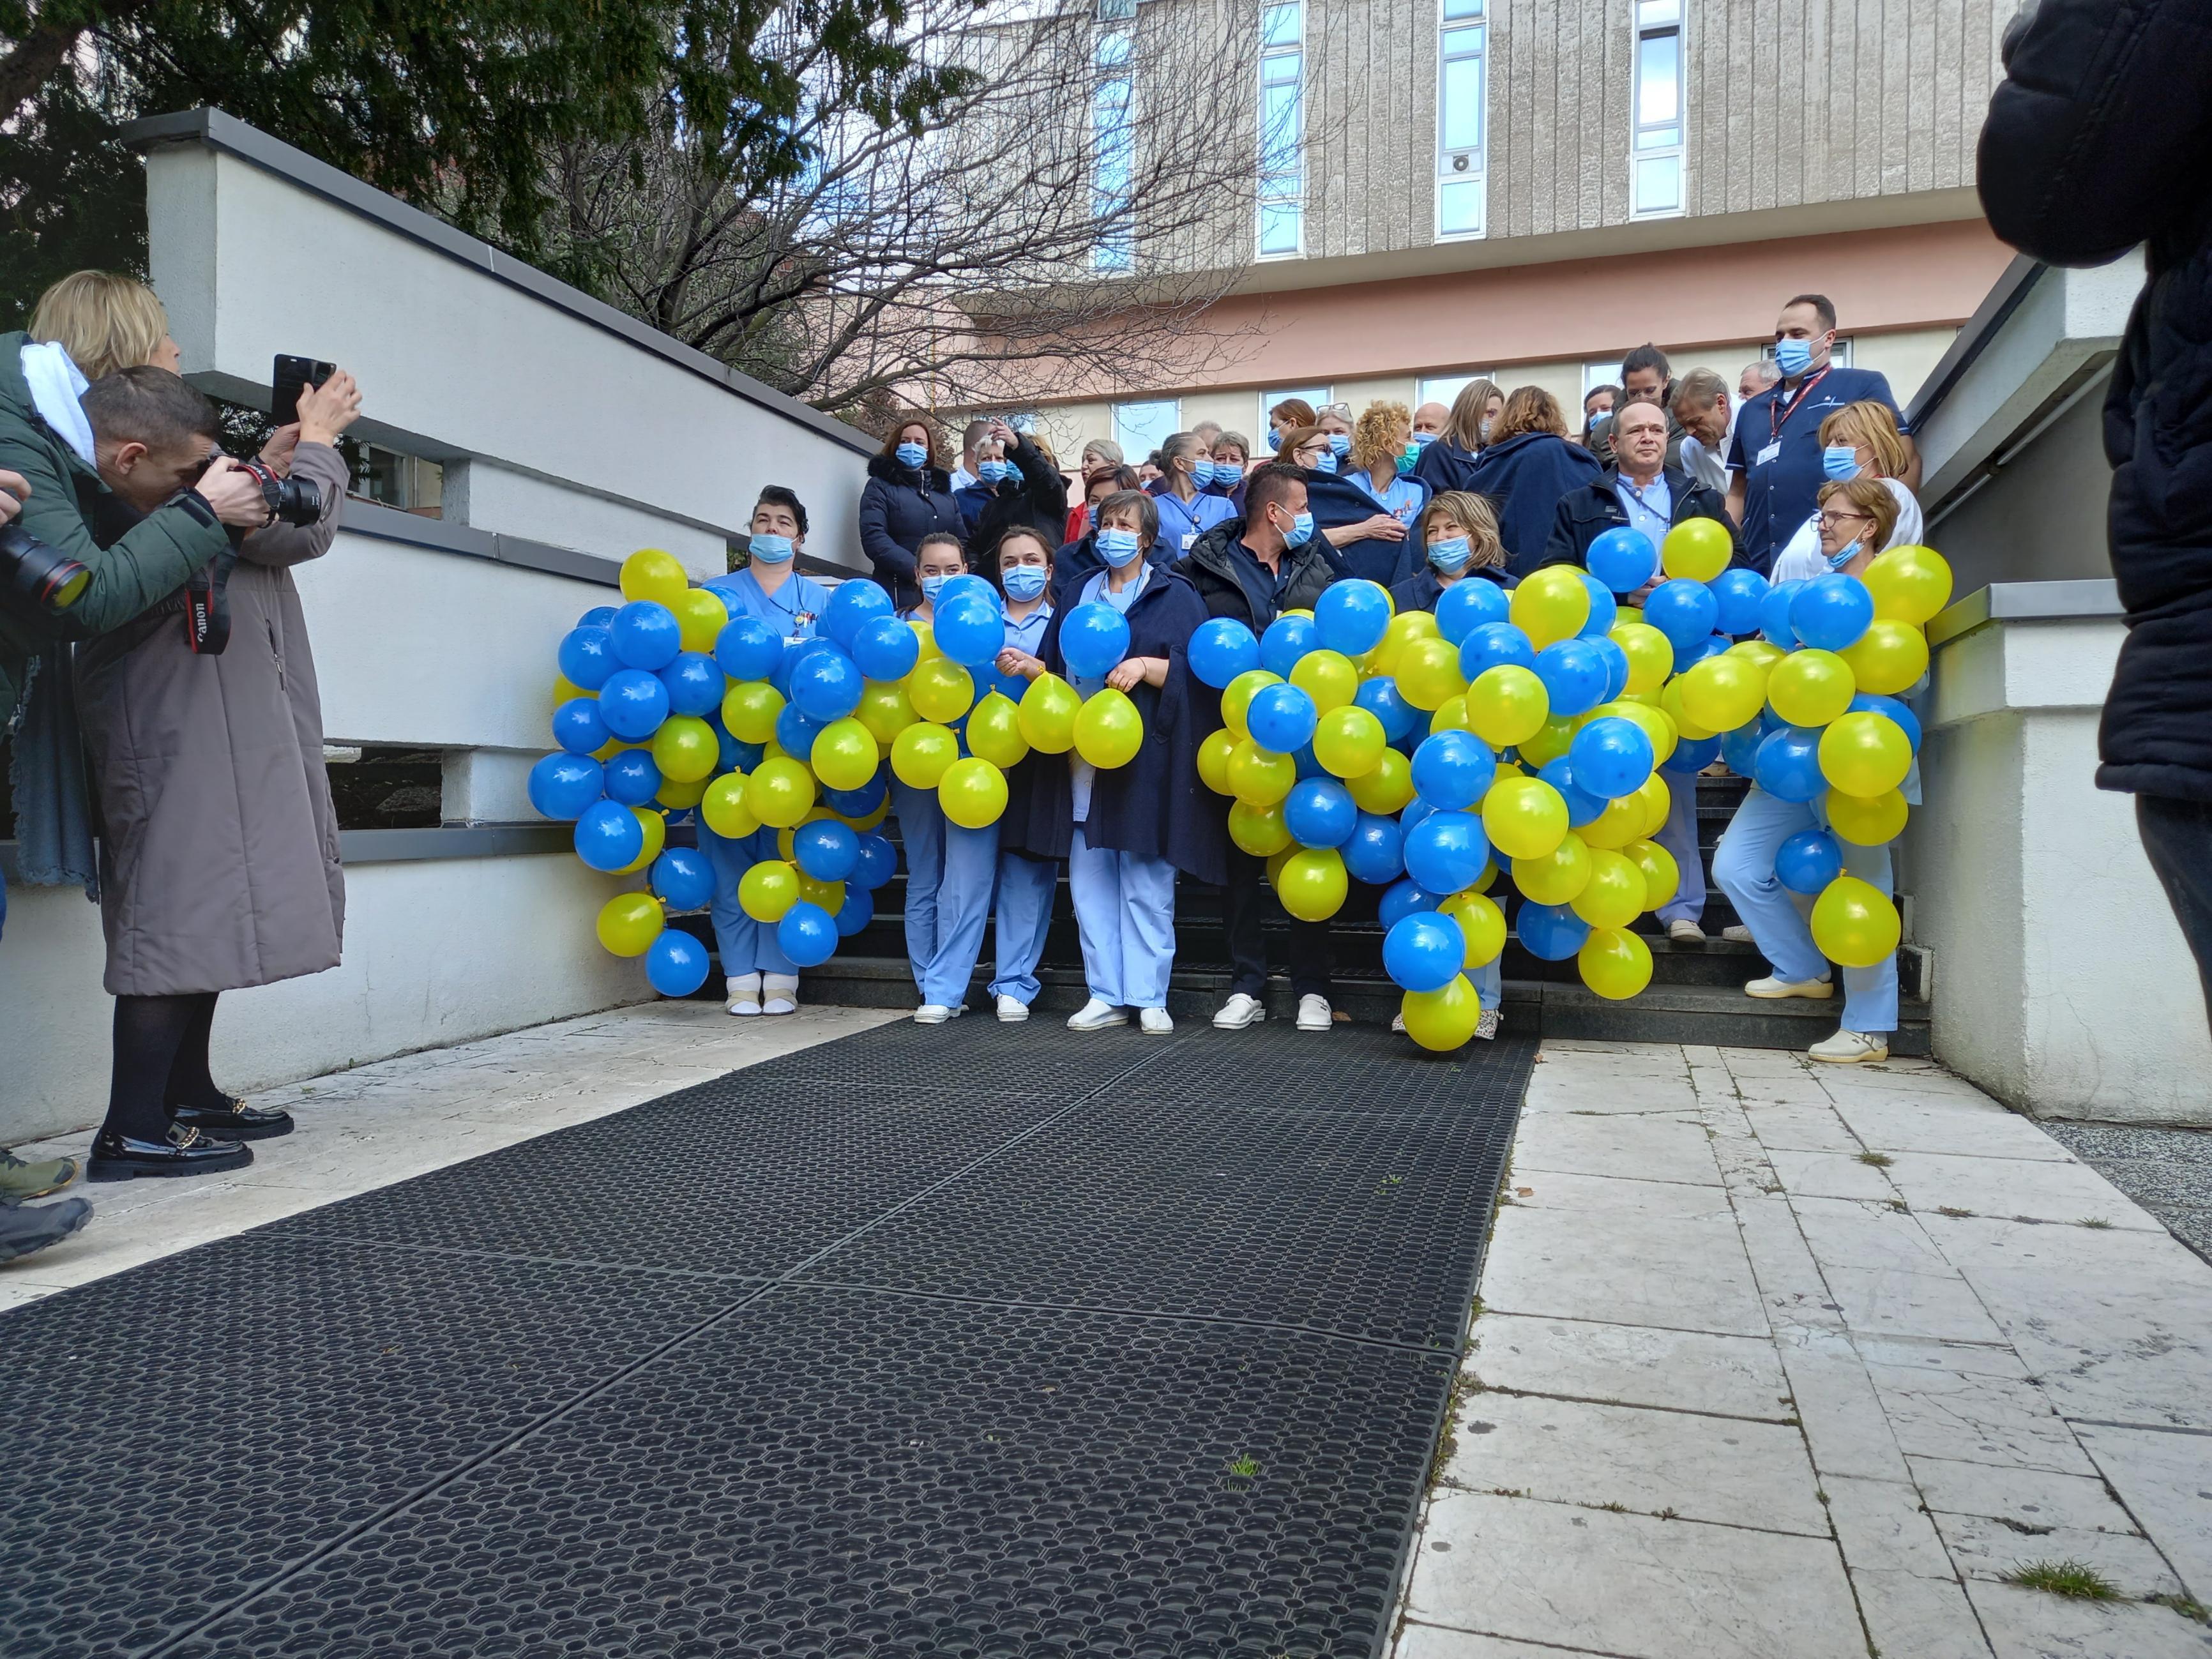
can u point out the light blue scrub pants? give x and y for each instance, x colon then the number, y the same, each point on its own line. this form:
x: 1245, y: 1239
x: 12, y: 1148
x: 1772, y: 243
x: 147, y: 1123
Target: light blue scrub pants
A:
x: 1744, y: 868
x: 1679, y: 835
x: 1489, y: 982
x: 747, y: 946
x: 1125, y: 909
x: 950, y: 875
x: 1024, y: 917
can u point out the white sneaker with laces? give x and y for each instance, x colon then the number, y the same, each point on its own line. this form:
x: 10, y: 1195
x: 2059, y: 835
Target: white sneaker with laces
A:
x: 1737, y: 935
x: 743, y: 991
x: 1683, y: 931
x: 1851, y: 1047
x: 1239, y: 1012
x: 1012, y: 1009
x: 1096, y: 1016
x: 1487, y: 1027
x: 932, y: 1013
x: 1313, y: 1012
x: 1774, y: 990
x: 779, y: 993
x: 1155, y: 1021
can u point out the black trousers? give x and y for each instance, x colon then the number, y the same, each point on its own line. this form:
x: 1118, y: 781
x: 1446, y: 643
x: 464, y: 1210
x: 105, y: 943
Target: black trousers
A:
x: 2177, y: 835
x: 1247, y: 902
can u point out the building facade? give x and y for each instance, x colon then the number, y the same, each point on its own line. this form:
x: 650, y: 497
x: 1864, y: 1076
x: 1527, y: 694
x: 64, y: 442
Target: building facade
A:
x: 1526, y: 189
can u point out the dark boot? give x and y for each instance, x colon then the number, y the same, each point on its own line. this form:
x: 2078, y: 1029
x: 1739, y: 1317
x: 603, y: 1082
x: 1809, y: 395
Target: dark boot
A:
x: 28, y: 1227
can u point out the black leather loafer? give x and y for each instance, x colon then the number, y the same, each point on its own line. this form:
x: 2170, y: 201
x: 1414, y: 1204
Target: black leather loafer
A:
x: 185, y: 1152
x: 236, y: 1121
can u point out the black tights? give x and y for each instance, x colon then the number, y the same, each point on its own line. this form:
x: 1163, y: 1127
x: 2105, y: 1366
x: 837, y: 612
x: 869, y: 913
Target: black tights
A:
x: 161, y: 1062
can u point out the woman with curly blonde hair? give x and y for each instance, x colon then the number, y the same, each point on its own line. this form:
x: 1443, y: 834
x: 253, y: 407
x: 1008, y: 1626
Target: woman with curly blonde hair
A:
x: 1366, y: 511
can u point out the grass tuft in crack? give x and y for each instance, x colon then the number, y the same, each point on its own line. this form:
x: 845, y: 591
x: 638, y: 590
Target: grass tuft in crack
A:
x: 2077, y: 1579
x: 1876, y: 1160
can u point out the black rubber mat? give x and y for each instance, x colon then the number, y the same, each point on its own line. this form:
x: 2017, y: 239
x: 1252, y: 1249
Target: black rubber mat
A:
x: 951, y: 1341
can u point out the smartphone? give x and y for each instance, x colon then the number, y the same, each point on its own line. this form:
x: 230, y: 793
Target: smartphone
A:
x: 292, y: 376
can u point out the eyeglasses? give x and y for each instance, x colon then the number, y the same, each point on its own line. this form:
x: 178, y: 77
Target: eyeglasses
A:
x: 1342, y: 411
x: 1830, y: 519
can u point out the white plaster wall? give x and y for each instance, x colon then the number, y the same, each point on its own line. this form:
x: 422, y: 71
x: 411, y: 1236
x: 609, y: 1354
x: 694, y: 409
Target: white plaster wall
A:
x: 489, y: 496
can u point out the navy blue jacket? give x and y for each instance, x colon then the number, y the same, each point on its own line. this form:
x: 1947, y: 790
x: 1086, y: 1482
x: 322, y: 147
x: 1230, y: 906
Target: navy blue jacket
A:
x: 972, y: 500
x: 1336, y: 500
x: 898, y: 507
x: 1077, y: 561
x: 1036, y: 500
x: 1585, y: 514
x: 1444, y: 465
x: 1524, y: 478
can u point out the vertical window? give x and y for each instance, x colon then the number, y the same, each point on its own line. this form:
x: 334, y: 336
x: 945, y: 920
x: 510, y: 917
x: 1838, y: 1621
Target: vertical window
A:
x: 1282, y: 128
x: 1113, y: 141
x: 1142, y: 427
x: 1597, y: 374
x: 1460, y: 179
x: 1655, y: 166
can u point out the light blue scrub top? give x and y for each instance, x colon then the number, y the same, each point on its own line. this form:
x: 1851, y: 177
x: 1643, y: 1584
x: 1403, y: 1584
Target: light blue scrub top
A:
x: 791, y: 611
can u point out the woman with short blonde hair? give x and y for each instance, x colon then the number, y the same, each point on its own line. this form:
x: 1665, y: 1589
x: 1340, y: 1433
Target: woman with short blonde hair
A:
x: 106, y: 322
x: 1860, y: 444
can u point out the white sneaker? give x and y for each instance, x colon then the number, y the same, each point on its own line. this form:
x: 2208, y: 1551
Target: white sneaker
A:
x: 1738, y: 934
x: 1851, y: 1048
x: 1239, y: 1012
x: 1155, y: 1021
x: 1487, y: 1027
x: 932, y: 1013
x: 1683, y: 931
x: 780, y: 994
x: 743, y: 991
x: 1096, y: 1016
x: 1398, y: 1023
x: 1774, y: 990
x: 1312, y: 1013
x: 1012, y: 1009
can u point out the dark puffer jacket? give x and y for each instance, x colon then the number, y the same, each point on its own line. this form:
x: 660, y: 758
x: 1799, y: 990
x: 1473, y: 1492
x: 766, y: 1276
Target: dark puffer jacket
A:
x: 1036, y: 500
x: 2100, y: 138
x: 898, y: 507
x: 1228, y: 591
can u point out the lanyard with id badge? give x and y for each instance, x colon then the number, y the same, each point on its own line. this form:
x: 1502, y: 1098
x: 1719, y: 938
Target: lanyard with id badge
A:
x: 1776, y: 414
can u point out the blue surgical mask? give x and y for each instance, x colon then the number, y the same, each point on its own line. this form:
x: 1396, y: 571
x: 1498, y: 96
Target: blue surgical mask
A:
x: 991, y: 472
x: 1201, y: 471
x: 1326, y: 461
x: 770, y: 549
x: 1837, y: 561
x: 1839, y: 461
x: 1117, y: 546
x: 1339, y: 443
x: 1449, y: 555
x: 932, y: 587
x: 1792, y: 357
x: 912, y: 454
x: 1488, y: 422
x: 1228, y: 472
x: 1025, y: 581
x: 1423, y: 440
x: 1301, y: 530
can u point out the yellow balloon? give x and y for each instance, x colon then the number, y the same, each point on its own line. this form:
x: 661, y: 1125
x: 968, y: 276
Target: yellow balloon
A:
x: 994, y: 732
x: 1621, y: 823
x: 630, y: 922
x: 1259, y: 776
x: 701, y: 616
x: 1551, y: 605
x: 1670, y: 704
x: 1259, y: 831
x: 563, y: 691
x: 1909, y: 584
x: 1888, y: 658
x: 1213, y: 760
x: 1507, y: 705
x: 1525, y: 817
x: 1312, y: 883
x: 928, y: 639
x: 1865, y: 754
x: 1551, y: 739
x: 1441, y: 1021
x: 1655, y: 722
x: 1481, y: 883
x: 768, y: 890
x: 883, y: 810
x: 1650, y: 654
x: 1615, y: 962
x: 677, y: 796
x: 885, y: 710
x: 1658, y: 800
x: 1048, y: 714
x: 1765, y: 652
x: 1481, y: 923
x: 1403, y: 630
x: 1697, y: 549
x: 749, y: 708
x: 723, y: 808
x: 1237, y: 697
x: 781, y: 792
x: 1328, y: 677
x: 1109, y: 730
x: 1276, y: 860
x: 1428, y: 671
x: 845, y: 754
x: 655, y: 825
x: 1450, y: 716
x: 1662, y: 875
x: 940, y: 690
x: 651, y: 573
x: 973, y: 793
x: 830, y: 895
x: 1855, y: 923
x: 1387, y: 788
x: 1349, y: 743
x: 1810, y: 688
x: 1722, y: 693
x: 1558, y: 876
x: 686, y: 748
x: 1613, y: 895
x: 1867, y: 821
x: 921, y: 754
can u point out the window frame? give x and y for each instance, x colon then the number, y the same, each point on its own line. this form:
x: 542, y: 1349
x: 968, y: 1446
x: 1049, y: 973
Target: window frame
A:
x: 1282, y: 188
x: 1133, y: 451
x: 1315, y: 395
x: 1113, y: 146
x: 1472, y: 24
x: 1656, y: 141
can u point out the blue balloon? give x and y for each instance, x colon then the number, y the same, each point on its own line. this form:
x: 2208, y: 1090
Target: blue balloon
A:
x: 683, y: 878
x: 1376, y: 853
x: 675, y: 963
x: 877, y: 863
x: 1582, y: 806
x: 1424, y: 952
x: 857, y: 803
x: 1412, y: 812
x: 1287, y: 638
x: 1308, y: 764
x: 1222, y: 649
x: 826, y: 849
x: 1681, y: 610
x: 858, y: 910
x: 1808, y: 860
x: 695, y: 685
x: 1093, y: 637
x: 633, y: 777
x: 1453, y: 770
x: 851, y: 607
x: 609, y: 835
x: 1550, y: 933
x: 956, y: 586
x: 580, y: 725
x: 1711, y: 645
x: 795, y: 731
x: 1774, y: 614
x: 1574, y: 674
x: 1603, y: 612
x: 1832, y: 613
x: 1320, y: 812
x: 1787, y: 766
x: 1403, y: 899
x: 562, y: 785
x: 886, y: 649
x: 1739, y: 748
x: 645, y: 634
x: 1494, y: 645
x: 597, y: 616
x: 807, y: 934
x: 1467, y: 604
x: 1739, y: 593
x: 1281, y: 718
x: 1895, y: 707
x: 588, y: 657
x: 746, y: 649
x: 1623, y: 559
x: 825, y: 685
x: 1691, y: 756
x: 1350, y: 616
x: 1616, y: 667
x: 1611, y: 756
x: 1382, y: 698
x: 1446, y: 851
x: 969, y: 630
x: 742, y: 757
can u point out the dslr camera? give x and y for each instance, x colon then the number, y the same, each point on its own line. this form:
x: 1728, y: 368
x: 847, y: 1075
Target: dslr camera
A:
x: 291, y: 500
x: 38, y: 583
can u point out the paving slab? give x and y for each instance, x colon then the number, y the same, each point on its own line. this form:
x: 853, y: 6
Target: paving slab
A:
x: 2025, y: 1624
x: 1631, y: 1365
x: 1673, y: 1273
x: 1911, y: 1617
x: 1647, y: 1148
x: 2040, y: 1188
x: 2166, y: 1482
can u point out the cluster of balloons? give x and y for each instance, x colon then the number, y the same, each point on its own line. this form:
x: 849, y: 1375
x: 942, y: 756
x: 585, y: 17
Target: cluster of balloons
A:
x: 667, y: 706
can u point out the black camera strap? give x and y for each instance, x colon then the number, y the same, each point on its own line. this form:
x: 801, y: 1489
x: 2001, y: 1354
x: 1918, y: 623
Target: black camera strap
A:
x: 207, y: 602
